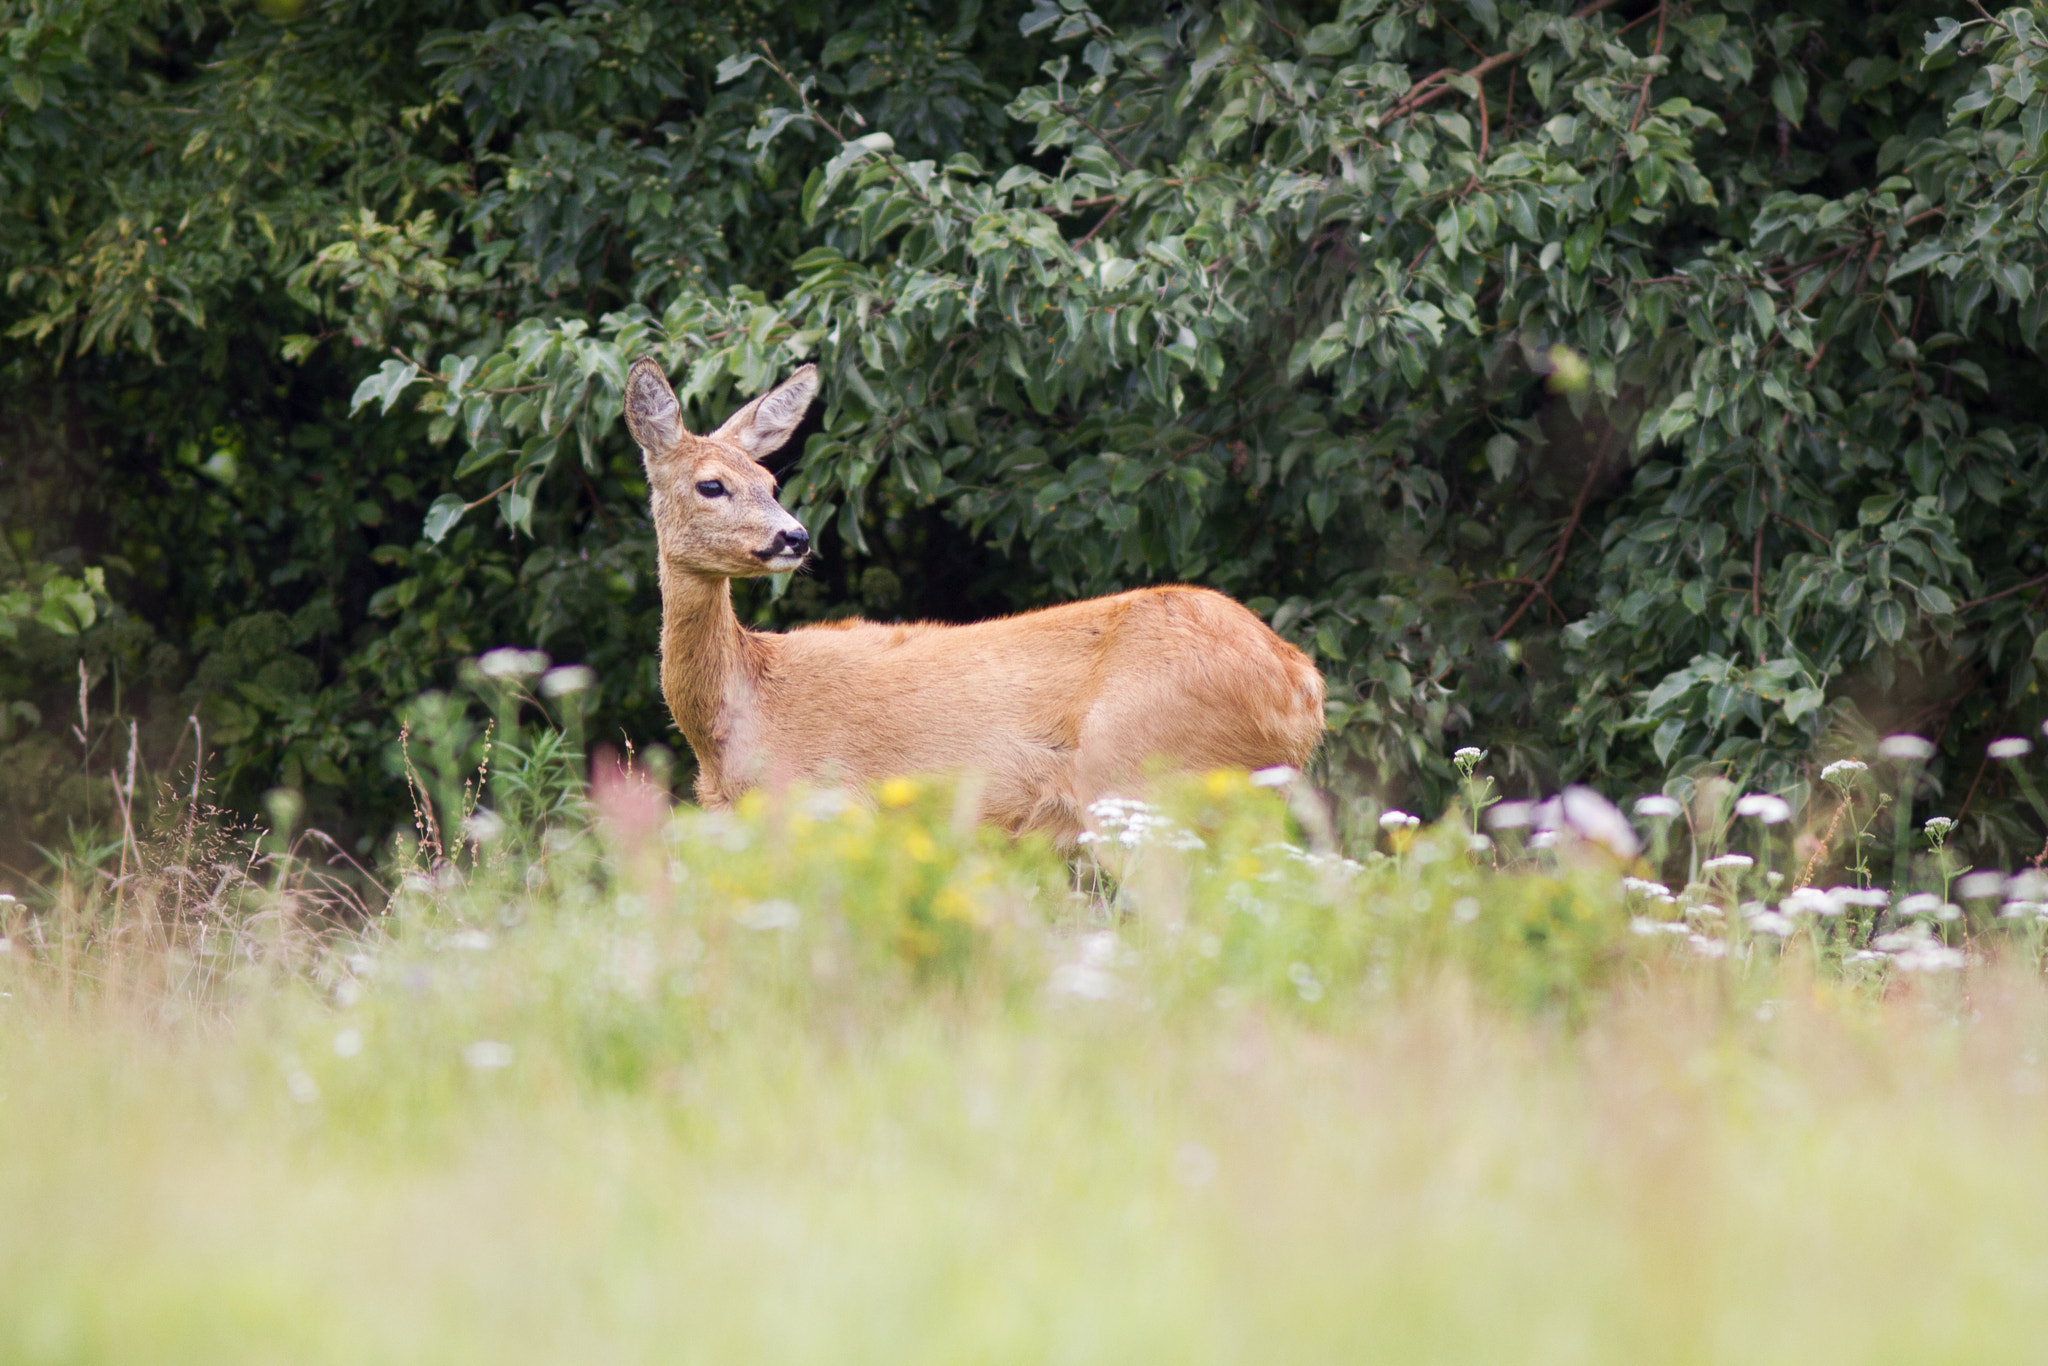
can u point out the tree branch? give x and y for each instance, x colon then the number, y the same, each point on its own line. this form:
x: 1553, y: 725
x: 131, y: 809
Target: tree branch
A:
x: 1426, y: 90
x: 1571, y: 528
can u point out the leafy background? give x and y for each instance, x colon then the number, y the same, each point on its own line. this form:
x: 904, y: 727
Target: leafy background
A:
x: 1631, y: 389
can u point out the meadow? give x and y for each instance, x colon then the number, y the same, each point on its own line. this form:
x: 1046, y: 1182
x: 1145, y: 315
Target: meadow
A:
x: 843, y: 1077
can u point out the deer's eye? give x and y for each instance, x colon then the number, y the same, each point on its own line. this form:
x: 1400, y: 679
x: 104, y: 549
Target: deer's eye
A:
x: 711, y: 488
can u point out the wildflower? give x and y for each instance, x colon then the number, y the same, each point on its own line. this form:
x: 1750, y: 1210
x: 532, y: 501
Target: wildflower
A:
x: 1912, y: 937
x: 1478, y: 844
x: 1980, y: 886
x: 1770, y: 922
x: 1089, y: 976
x: 1938, y: 827
x: 1465, y: 910
x: 1931, y: 958
x: 486, y: 1055
x: 1470, y: 754
x: 2029, y: 884
x: 1842, y: 772
x: 1399, y: 820
x: 1861, y: 896
x: 1707, y: 948
x: 1592, y: 817
x: 898, y: 792
x: 348, y: 1043
x: 1763, y: 807
x: 568, y: 678
x: 1920, y: 903
x: 1810, y: 901
x: 1737, y: 862
x: 1543, y: 839
x: 1905, y: 748
x: 483, y: 825
x: 771, y: 915
x: 1644, y: 886
x: 6, y: 899
x: 510, y: 662
x: 1643, y: 925
x: 1279, y: 775
x: 2011, y: 747
x: 472, y: 940
x: 1509, y: 815
x: 2015, y: 910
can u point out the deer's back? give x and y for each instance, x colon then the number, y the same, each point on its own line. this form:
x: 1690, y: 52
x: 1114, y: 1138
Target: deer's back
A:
x: 1050, y: 708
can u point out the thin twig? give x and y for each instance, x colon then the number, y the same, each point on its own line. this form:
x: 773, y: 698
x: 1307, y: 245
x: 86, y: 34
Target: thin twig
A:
x: 1564, y: 541
x: 2003, y: 592
x: 1431, y: 87
x: 1656, y: 50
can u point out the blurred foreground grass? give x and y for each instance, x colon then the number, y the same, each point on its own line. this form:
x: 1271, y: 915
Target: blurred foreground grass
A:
x: 835, y: 1082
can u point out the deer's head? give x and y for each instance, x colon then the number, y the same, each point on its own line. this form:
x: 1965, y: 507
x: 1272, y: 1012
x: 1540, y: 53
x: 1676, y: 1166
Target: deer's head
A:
x: 714, y: 503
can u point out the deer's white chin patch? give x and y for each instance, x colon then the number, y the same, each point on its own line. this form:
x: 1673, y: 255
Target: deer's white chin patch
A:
x: 784, y: 561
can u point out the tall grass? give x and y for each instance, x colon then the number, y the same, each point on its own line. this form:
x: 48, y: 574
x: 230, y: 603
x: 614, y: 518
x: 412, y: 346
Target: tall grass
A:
x: 845, y: 1077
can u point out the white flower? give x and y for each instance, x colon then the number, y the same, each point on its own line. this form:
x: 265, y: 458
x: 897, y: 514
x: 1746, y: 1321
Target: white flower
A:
x: 1981, y: 885
x: 1399, y: 820
x: 1735, y: 861
x: 483, y: 825
x: 1471, y: 754
x: 510, y: 662
x: 487, y: 1054
x: 1861, y: 896
x: 1933, y: 958
x: 6, y: 899
x: 1543, y: 839
x: 1279, y: 775
x: 1089, y: 977
x: 1656, y: 806
x: 1643, y: 925
x: 567, y: 679
x: 770, y: 915
x: 348, y: 1043
x: 1764, y: 807
x: 2028, y: 884
x: 1770, y: 922
x: 1478, y: 844
x: 1645, y: 886
x: 1843, y: 770
x: 471, y: 940
x: 2014, y: 910
x: 1912, y: 936
x: 1592, y: 817
x: 1810, y: 901
x: 1905, y: 748
x: 1948, y: 910
x: 1707, y: 948
x: 1509, y: 815
x: 1920, y: 903
x: 1939, y: 826
x: 2011, y: 747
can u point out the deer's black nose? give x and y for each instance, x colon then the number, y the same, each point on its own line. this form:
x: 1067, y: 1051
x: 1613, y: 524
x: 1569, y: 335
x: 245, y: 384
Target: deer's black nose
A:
x: 796, y: 542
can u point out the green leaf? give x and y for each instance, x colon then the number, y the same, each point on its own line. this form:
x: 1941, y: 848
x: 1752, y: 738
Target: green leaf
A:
x: 1944, y: 32
x: 1500, y: 456
x: 442, y: 516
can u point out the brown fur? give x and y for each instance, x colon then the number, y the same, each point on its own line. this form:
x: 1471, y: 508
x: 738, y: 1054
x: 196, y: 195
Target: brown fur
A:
x: 1047, y: 711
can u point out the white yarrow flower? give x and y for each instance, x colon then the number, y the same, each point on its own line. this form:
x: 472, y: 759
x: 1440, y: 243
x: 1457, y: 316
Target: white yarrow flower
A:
x: 567, y: 679
x: 1658, y: 806
x: 1920, y: 903
x: 1399, y: 820
x: 1809, y: 901
x: 1771, y: 922
x: 1905, y: 748
x: 1980, y: 886
x: 510, y: 662
x: 1279, y: 775
x: 1844, y: 770
x: 1733, y: 861
x: 1470, y: 754
x: 2011, y: 747
x: 1509, y: 815
x: 1861, y: 896
x: 1592, y: 817
x: 1762, y: 806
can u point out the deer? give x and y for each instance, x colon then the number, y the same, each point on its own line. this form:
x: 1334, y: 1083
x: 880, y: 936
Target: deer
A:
x: 1039, y: 715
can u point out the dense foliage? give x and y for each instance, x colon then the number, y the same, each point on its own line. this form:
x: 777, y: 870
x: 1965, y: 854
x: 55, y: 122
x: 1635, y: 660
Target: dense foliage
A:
x: 1626, y: 389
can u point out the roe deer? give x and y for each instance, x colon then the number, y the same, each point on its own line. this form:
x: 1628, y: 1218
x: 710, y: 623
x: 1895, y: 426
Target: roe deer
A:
x: 1048, y: 710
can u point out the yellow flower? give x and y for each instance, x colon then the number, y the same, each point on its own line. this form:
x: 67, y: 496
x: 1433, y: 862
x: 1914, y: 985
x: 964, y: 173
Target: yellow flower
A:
x: 1246, y: 866
x: 751, y: 804
x: 898, y: 792
x: 920, y: 847
x: 1221, y: 782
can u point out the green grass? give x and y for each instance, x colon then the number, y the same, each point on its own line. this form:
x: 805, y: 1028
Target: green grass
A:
x: 815, y: 1084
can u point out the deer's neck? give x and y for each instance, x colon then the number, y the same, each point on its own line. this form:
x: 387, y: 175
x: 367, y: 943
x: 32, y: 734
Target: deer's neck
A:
x: 710, y: 672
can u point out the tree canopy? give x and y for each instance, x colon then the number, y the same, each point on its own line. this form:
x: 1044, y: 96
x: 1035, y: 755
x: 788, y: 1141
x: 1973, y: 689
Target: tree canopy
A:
x: 1624, y: 388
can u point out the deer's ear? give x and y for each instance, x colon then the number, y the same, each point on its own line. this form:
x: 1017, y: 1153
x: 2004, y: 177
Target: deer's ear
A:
x: 652, y: 413
x: 761, y: 428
